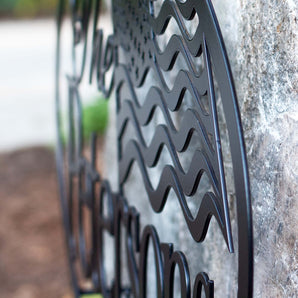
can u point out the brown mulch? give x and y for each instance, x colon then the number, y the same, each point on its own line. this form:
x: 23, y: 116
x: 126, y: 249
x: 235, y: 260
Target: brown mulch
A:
x: 33, y: 260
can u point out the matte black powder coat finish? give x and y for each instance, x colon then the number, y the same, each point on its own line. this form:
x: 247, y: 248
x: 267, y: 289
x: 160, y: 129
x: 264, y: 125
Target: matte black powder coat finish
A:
x: 130, y: 54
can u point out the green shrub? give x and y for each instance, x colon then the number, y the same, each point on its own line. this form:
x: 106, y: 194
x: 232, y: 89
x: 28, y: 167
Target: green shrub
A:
x: 28, y: 8
x: 95, y: 117
x: 7, y: 5
x: 32, y: 8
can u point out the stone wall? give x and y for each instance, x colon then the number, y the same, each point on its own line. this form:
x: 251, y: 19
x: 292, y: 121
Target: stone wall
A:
x: 261, y: 39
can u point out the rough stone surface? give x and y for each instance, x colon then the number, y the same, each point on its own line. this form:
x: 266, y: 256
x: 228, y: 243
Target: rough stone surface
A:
x: 261, y: 41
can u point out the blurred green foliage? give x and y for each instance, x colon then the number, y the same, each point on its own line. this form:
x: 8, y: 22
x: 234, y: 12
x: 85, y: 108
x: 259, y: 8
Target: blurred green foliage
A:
x: 27, y: 8
x: 32, y: 8
x: 95, y: 117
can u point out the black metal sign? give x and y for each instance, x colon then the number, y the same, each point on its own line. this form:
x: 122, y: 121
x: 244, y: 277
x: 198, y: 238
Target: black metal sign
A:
x: 142, y: 58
